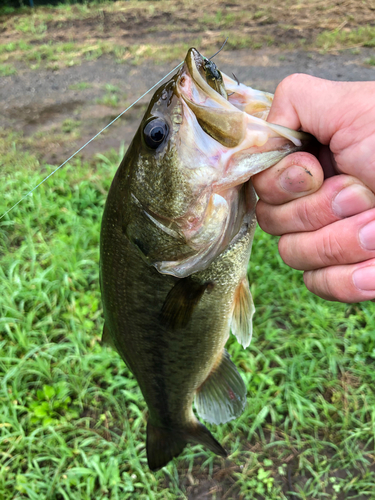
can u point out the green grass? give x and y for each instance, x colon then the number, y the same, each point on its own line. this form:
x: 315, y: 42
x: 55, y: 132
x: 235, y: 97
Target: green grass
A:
x: 72, y: 419
x: 110, y: 97
x: 69, y: 125
x: 54, y: 55
x: 7, y: 70
x: 80, y: 86
x: 247, y: 25
x: 363, y: 37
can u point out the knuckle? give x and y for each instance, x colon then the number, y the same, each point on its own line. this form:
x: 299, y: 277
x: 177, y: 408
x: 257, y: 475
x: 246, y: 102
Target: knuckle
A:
x: 333, y: 289
x: 287, y: 85
x: 311, y: 216
x: 305, y: 215
x: 331, y: 250
x: 297, y: 252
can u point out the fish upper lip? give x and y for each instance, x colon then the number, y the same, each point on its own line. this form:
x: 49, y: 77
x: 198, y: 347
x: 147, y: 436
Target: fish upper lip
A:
x: 216, y: 115
x: 214, y: 110
x: 191, y: 69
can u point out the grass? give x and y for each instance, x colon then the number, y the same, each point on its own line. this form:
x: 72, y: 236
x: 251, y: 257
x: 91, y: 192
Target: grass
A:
x: 7, y: 70
x: 55, y: 55
x: 69, y: 125
x: 136, y: 31
x: 111, y: 97
x: 80, y: 86
x: 72, y: 418
x: 361, y: 37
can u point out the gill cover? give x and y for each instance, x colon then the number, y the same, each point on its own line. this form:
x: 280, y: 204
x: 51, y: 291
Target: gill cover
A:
x: 203, y: 153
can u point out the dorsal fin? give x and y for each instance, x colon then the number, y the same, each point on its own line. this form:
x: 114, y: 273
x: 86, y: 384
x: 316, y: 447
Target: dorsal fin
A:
x: 222, y: 396
x: 242, y: 319
x: 181, y: 302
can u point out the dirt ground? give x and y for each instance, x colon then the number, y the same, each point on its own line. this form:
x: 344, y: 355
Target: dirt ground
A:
x: 36, y: 103
x: 56, y: 111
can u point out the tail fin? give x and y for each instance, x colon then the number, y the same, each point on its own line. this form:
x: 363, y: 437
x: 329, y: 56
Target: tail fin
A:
x: 164, y: 444
x: 198, y: 433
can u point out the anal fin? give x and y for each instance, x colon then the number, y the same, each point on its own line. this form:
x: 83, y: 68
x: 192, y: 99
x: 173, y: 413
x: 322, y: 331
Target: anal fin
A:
x: 222, y: 396
x: 242, y: 319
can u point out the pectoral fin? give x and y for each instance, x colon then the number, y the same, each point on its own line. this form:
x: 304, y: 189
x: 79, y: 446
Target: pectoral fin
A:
x: 222, y: 396
x: 242, y: 320
x: 181, y: 302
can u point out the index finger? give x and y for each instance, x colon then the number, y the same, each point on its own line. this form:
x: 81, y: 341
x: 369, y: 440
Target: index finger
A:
x: 303, y: 102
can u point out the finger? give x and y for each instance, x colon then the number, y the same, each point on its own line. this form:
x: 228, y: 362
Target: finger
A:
x: 339, y: 197
x: 328, y: 162
x: 336, y: 113
x: 351, y: 283
x: 310, y: 103
x: 294, y: 176
x: 347, y: 241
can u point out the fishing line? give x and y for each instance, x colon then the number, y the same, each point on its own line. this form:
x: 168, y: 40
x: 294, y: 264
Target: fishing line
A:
x: 221, y: 48
x: 95, y: 136
x: 88, y: 142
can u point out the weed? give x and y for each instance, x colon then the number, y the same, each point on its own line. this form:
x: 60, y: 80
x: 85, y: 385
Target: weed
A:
x: 259, y: 14
x: 111, y: 88
x: 30, y: 24
x: 109, y: 99
x: 14, y: 46
x: 7, y: 70
x: 242, y: 42
x: 80, y: 86
x: 370, y: 61
x: 52, y: 405
x: 364, y: 37
x: 69, y: 125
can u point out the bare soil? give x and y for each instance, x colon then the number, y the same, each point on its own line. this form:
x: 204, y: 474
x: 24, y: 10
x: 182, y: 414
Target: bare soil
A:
x: 37, y: 103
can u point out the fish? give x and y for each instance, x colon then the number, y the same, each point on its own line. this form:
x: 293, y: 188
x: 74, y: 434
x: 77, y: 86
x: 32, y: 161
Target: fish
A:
x: 176, y: 237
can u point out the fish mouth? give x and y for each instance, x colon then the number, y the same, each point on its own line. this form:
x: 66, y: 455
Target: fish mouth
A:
x: 233, y: 122
x: 201, y: 86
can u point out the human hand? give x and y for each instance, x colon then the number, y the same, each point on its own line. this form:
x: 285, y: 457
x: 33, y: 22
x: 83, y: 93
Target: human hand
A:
x: 324, y: 210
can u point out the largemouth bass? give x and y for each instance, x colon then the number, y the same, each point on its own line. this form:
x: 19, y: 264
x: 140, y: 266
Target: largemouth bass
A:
x: 176, y: 238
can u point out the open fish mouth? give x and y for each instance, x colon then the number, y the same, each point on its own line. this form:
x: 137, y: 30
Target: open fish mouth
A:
x: 231, y: 119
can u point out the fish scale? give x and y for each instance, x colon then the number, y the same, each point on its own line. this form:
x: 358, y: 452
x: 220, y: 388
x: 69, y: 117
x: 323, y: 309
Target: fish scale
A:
x: 176, y: 238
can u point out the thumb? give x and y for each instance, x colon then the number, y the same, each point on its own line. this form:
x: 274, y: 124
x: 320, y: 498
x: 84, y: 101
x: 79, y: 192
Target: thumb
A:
x: 309, y: 103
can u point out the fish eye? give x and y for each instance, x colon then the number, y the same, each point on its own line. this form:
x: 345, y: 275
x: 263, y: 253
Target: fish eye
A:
x: 155, y: 132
